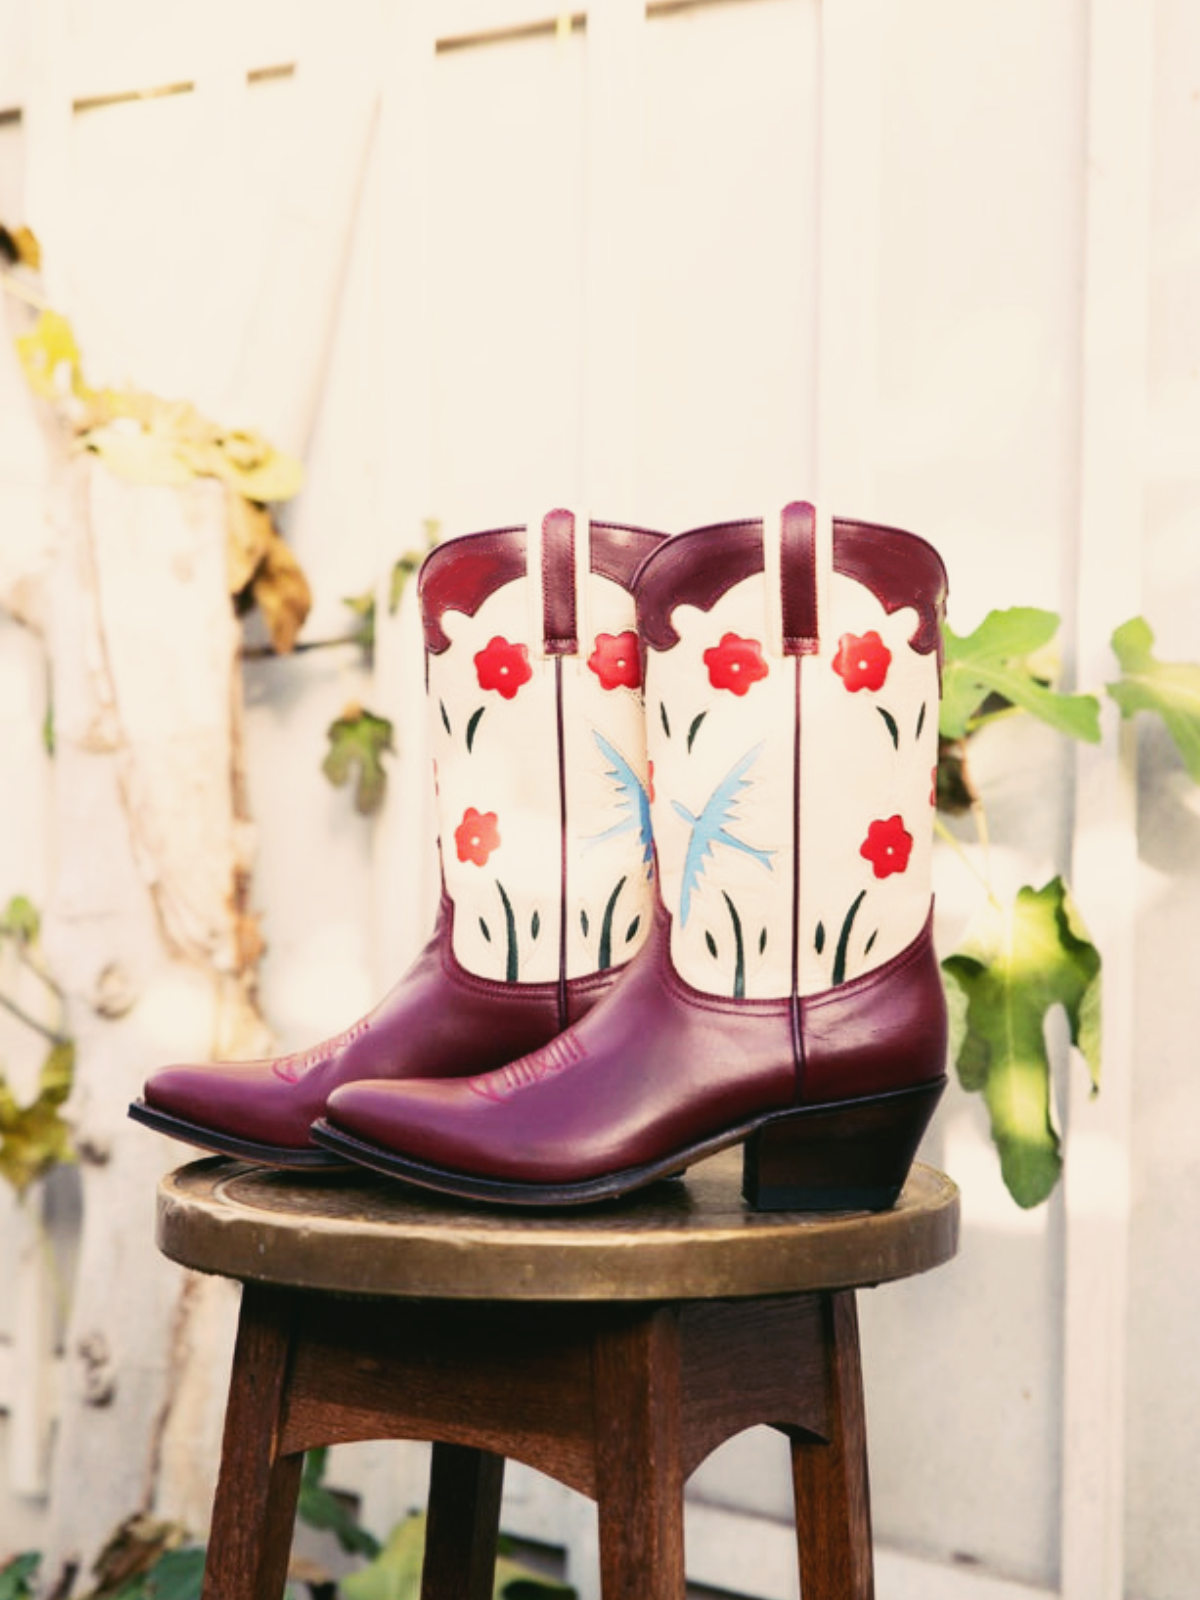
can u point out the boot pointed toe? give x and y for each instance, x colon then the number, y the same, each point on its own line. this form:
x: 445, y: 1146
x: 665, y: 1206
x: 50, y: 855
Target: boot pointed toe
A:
x: 530, y: 637
x: 234, y: 1108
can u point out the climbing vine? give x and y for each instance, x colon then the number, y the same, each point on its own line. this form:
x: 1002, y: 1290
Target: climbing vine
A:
x: 1026, y: 956
x: 34, y: 1135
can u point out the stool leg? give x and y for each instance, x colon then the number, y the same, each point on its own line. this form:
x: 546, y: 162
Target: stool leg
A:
x: 254, y: 1511
x: 463, y: 1523
x: 833, y: 1507
x: 639, y: 1462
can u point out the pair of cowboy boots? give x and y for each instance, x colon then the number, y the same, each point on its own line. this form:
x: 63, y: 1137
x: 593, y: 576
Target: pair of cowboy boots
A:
x: 684, y: 795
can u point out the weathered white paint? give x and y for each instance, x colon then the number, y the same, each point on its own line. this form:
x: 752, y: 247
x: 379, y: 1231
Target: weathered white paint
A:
x: 850, y: 150
x: 403, y: 859
x: 143, y: 769
x: 1112, y: 407
x: 280, y: 361
x: 610, y: 407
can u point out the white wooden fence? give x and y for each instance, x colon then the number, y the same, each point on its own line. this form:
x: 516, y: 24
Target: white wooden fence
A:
x: 939, y: 259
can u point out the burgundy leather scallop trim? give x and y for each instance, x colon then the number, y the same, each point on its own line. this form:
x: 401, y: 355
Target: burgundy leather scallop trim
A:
x: 900, y: 570
x: 461, y: 574
x: 694, y: 569
x: 618, y: 551
x: 560, y: 633
x: 798, y: 579
x: 698, y: 567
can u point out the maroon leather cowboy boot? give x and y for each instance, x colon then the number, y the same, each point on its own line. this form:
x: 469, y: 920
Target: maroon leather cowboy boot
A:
x: 535, y: 704
x: 789, y: 995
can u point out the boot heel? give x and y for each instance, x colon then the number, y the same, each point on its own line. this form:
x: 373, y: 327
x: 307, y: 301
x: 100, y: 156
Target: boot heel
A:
x: 852, y: 1156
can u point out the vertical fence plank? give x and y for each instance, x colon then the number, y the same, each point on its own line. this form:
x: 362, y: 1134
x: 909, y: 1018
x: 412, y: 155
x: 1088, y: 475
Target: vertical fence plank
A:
x: 1097, y: 1144
x: 278, y: 377
x: 220, y: 79
x: 406, y: 875
x: 32, y: 1348
x: 612, y: 269
x: 847, y: 309
x: 46, y: 115
x: 47, y: 132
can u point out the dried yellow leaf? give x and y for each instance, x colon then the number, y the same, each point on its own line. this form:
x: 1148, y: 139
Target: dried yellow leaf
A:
x: 50, y: 357
x: 250, y: 534
x: 29, y: 251
x: 282, y: 594
x: 248, y: 941
x: 139, y: 455
x: 254, y: 468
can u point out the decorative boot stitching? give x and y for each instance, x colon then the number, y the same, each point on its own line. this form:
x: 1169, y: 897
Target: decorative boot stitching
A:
x: 567, y: 1050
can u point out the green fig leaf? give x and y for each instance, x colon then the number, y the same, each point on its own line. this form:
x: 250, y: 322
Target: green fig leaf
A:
x: 410, y: 562
x: 17, y: 1575
x: 358, y: 742
x: 396, y: 1573
x: 1171, y: 690
x: 21, y: 920
x: 402, y: 571
x: 517, y: 1582
x: 1000, y: 659
x: 362, y: 608
x: 36, y: 1137
x: 320, y: 1508
x: 1017, y: 963
x: 176, y: 1575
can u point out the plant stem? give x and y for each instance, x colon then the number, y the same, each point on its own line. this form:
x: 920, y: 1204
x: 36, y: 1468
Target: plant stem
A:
x: 267, y: 652
x: 943, y: 833
x: 31, y: 1022
x: 27, y: 960
x: 20, y: 292
x: 986, y: 718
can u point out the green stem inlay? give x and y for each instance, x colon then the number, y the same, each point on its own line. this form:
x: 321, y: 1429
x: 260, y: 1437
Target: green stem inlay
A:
x: 604, y: 958
x: 843, y: 944
x: 739, y: 963
x: 510, y: 924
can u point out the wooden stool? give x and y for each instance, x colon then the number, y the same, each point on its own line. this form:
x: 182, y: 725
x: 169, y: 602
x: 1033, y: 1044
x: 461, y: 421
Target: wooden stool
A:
x: 612, y: 1348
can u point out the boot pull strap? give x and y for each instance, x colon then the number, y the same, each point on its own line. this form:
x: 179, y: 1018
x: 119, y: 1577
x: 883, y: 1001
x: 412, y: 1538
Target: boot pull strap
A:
x: 558, y: 555
x: 797, y: 561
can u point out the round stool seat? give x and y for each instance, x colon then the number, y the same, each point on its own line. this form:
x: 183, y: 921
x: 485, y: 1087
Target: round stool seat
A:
x: 612, y: 1348
x: 354, y: 1233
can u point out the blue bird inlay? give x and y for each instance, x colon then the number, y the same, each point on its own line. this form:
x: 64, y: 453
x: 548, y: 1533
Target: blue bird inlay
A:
x: 709, y: 829
x: 632, y: 799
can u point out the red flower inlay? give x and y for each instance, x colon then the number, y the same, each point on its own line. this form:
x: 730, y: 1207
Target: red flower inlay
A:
x: 862, y: 661
x: 616, y: 661
x: 503, y: 667
x: 735, y: 663
x: 476, y: 836
x: 887, y: 846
